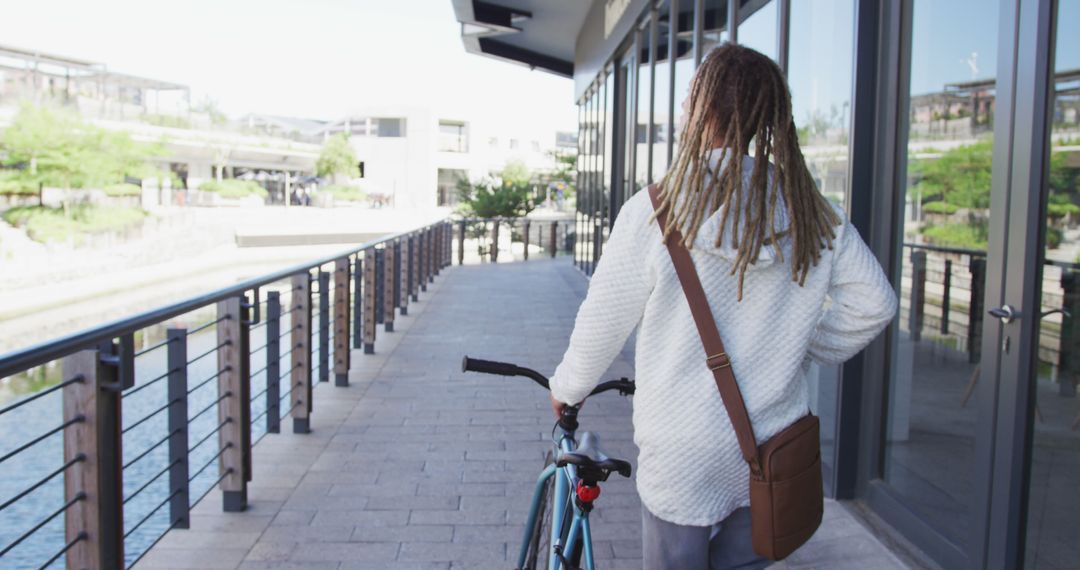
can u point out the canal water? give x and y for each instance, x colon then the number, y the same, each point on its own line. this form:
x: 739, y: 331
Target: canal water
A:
x: 29, y: 467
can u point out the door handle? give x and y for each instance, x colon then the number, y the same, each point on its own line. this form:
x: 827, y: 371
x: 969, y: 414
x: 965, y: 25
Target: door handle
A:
x: 1007, y: 314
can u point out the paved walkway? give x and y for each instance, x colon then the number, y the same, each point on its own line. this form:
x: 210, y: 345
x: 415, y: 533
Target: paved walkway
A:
x: 418, y: 466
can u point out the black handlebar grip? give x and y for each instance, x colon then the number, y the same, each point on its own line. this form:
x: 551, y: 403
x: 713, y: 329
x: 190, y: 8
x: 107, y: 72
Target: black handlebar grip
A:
x: 488, y: 367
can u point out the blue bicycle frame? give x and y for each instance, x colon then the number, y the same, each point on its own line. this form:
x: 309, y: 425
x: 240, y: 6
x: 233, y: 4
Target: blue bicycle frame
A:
x: 566, y: 482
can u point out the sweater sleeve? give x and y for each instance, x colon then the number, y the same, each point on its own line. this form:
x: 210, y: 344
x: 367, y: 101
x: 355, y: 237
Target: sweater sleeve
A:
x: 613, y: 306
x: 862, y: 302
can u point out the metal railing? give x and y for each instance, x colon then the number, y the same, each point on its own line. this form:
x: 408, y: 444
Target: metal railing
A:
x: 484, y: 237
x: 136, y: 479
x: 944, y: 301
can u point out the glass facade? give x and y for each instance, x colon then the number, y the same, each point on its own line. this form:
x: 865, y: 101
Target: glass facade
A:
x: 958, y: 427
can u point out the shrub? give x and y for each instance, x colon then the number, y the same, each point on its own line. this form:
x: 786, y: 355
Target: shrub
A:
x: 1054, y: 237
x: 346, y: 193
x: 11, y: 183
x: 233, y: 188
x: 47, y: 225
x: 964, y: 235
x: 124, y: 189
x: 940, y: 208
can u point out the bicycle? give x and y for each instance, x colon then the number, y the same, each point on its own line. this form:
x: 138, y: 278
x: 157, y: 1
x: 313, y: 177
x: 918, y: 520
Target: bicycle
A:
x: 565, y: 537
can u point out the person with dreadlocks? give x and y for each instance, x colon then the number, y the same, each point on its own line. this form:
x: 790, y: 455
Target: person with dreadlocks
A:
x: 789, y: 282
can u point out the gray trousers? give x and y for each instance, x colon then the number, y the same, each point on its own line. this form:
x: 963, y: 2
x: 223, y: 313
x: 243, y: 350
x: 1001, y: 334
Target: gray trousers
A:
x: 725, y: 545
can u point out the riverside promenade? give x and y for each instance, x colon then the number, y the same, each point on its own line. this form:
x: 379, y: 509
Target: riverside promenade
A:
x: 416, y: 465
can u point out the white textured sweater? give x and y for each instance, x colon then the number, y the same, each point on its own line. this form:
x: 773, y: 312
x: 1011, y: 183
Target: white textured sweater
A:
x: 690, y: 471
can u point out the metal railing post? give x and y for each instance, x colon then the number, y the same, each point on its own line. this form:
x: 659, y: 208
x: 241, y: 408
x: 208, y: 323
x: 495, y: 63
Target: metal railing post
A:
x: 300, y: 378
x: 94, y: 484
x: 975, y: 311
x: 389, y: 299
x: 234, y: 409
x: 178, y: 428
x: 554, y: 238
x: 358, y: 302
x: 1069, y: 353
x: 380, y: 285
x: 423, y: 260
x: 341, y: 322
x: 273, y: 362
x: 461, y: 243
x: 369, y: 301
x: 526, y: 240
x: 945, y: 301
x: 918, y: 294
x: 495, y: 241
x: 414, y: 266
x: 436, y: 250
x: 324, y: 326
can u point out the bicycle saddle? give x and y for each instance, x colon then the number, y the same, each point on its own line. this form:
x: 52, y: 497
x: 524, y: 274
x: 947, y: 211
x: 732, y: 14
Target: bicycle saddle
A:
x: 592, y: 463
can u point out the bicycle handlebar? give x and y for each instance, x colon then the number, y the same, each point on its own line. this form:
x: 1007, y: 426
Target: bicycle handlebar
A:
x: 623, y: 385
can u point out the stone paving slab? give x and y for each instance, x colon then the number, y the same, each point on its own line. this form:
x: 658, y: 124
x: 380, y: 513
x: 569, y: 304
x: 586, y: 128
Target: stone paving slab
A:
x: 416, y: 465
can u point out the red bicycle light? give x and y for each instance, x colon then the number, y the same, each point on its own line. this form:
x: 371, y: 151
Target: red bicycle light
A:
x: 587, y: 493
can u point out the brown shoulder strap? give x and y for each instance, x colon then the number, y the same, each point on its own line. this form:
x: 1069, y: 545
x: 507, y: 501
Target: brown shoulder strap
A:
x: 715, y: 356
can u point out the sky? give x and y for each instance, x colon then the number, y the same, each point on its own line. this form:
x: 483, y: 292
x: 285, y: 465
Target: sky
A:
x: 318, y: 59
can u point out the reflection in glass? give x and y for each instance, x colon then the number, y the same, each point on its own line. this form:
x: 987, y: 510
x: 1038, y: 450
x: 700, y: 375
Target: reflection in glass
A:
x: 1053, y: 538
x: 714, y: 27
x: 644, y: 102
x: 819, y: 76
x: 662, y: 100
x: 684, y: 64
x: 759, y: 30
x: 932, y: 401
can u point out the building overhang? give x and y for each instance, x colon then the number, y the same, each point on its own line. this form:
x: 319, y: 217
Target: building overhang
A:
x: 541, y: 34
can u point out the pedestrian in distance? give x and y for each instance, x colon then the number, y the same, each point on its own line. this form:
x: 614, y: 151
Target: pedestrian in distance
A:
x: 787, y: 280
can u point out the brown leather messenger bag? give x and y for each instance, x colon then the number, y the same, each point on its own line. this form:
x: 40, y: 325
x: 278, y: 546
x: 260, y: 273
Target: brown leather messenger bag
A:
x: 786, y: 498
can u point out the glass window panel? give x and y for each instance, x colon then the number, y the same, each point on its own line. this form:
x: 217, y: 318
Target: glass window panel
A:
x: 820, y: 81
x: 662, y: 101
x: 715, y: 25
x: 1053, y: 538
x: 759, y: 30
x: 684, y: 62
x: 930, y: 421
x: 644, y: 103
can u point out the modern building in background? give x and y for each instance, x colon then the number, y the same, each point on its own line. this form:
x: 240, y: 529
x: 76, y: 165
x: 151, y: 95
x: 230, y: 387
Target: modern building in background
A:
x: 950, y: 133
x: 409, y: 157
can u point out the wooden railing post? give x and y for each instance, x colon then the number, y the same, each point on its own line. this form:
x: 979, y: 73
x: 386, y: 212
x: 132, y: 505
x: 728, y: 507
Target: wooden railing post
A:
x: 918, y: 294
x: 436, y: 250
x: 389, y: 299
x: 975, y: 308
x: 526, y: 240
x: 324, y: 326
x: 178, y: 428
x: 300, y: 379
x: 414, y: 266
x: 380, y: 285
x: 358, y: 302
x: 405, y: 261
x: 424, y: 253
x: 430, y: 255
x: 495, y: 241
x: 93, y: 486
x: 341, y: 322
x: 461, y: 243
x: 369, y: 301
x: 554, y: 238
x: 1069, y: 352
x: 273, y: 362
x: 234, y: 409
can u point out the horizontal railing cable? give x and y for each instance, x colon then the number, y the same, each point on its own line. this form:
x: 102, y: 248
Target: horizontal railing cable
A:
x: 151, y: 448
x: 259, y: 371
x: 145, y: 385
x: 208, y: 380
x: 154, y: 347
x: 211, y: 462
x: 40, y: 438
x: 78, y: 538
x: 152, y: 513
x: 205, y: 326
x: 147, y: 417
x: 209, y: 352
x: 209, y: 435
x: 40, y: 394
x: 78, y: 458
x: 227, y: 472
x: 37, y: 527
x: 151, y: 481
x: 210, y: 407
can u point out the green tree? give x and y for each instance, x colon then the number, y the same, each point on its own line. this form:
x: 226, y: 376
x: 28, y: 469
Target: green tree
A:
x: 489, y: 199
x: 515, y: 172
x: 960, y: 176
x: 337, y: 157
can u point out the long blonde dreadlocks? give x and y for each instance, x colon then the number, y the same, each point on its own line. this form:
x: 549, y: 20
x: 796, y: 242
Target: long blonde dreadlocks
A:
x: 739, y: 96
